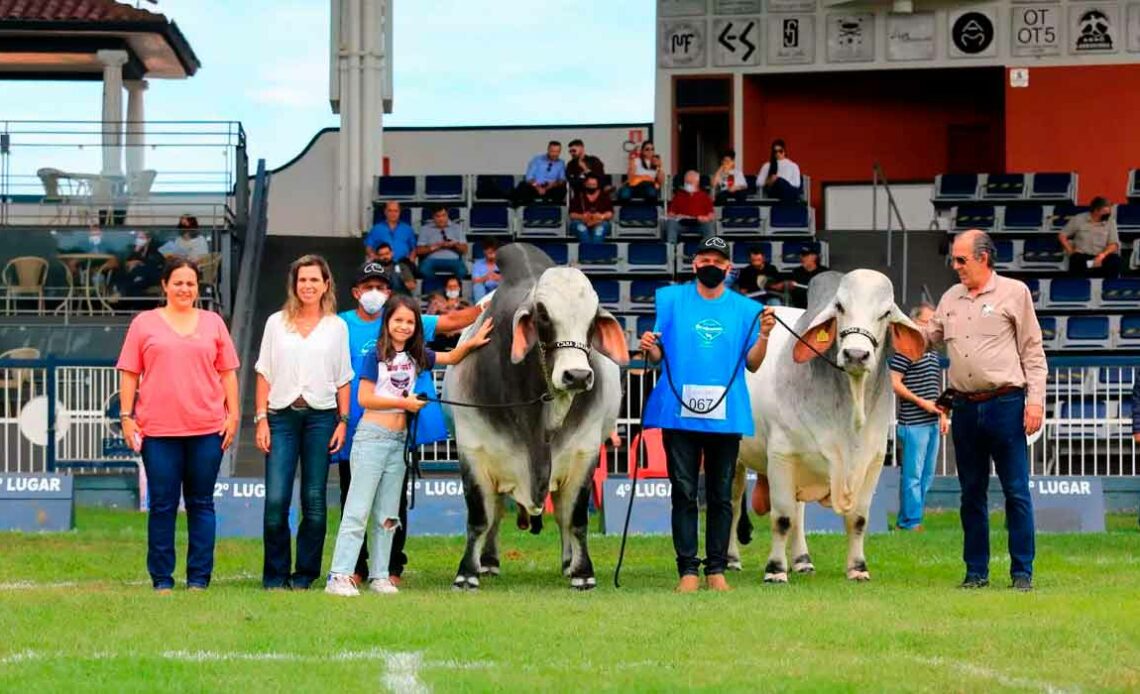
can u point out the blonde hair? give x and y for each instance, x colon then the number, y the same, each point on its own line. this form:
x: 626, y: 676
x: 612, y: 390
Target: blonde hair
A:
x: 292, y: 306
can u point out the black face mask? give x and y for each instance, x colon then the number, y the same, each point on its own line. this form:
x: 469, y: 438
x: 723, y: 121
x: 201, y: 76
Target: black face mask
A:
x: 710, y: 275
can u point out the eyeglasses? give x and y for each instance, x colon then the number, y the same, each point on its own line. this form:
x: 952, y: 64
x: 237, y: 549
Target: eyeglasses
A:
x: 958, y: 260
x: 779, y: 151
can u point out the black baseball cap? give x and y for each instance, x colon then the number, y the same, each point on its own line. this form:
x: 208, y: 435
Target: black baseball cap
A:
x: 373, y: 270
x: 808, y: 249
x: 715, y: 244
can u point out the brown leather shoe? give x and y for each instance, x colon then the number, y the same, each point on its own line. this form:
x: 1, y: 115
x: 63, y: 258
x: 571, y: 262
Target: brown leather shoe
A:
x: 356, y: 579
x: 718, y: 583
x: 395, y: 580
x: 689, y: 583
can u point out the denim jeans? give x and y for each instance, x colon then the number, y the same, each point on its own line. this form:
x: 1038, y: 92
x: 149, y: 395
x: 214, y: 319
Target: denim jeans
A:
x: 181, y: 467
x: 683, y: 450
x: 996, y: 429
x: 302, y: 434
x: 673, y: 228
x: 594, y: 234
x: 919, y: 458
x: 431, y: 268
x: 642, y: 191
x: 373, y: 499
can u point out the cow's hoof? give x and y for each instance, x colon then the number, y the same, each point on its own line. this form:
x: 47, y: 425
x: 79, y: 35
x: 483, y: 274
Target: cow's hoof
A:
x: 778, y: 577
x: 588, y: 583
x: 802, y: 565
x: 734, y: 565
x: 489, y: 571
x: 861, y: 576
x: 466, y: 583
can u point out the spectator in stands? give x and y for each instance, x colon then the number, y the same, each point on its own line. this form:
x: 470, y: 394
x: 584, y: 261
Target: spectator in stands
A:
x: 304, y: 375
x: 758, y: 279
x: 442, y: 246
x: 179, y: 408
x: 398, y: 234
x: 644, y: 175
x: 141, y: 271
x: 453, y: 295
x: 809, y: 267
x: 580, y: 165
x: 545, y: 179
x: 436, y: 304
x: 729, y: 183
x: 921, y: 424
x: 691, y: 208
x: 1091, y: 241
x: 591, y: 212
x: 403, y: 281
x: 189, y: 243
x: 485, y: 275
x: 780, y: 177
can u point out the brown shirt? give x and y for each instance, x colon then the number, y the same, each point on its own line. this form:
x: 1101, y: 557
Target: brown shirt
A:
x: 993, y: 340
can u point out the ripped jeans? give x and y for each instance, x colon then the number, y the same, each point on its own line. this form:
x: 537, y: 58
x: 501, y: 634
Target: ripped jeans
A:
x: 377, y: 461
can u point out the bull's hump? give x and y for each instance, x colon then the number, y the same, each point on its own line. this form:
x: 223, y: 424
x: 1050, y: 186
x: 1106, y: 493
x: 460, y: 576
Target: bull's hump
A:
x: 522, y: 262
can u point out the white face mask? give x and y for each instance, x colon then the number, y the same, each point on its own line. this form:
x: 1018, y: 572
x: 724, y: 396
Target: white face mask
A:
x: 140, y: 242
x: 452, y: 293
x: 372, y: 301
x: 690, y: 188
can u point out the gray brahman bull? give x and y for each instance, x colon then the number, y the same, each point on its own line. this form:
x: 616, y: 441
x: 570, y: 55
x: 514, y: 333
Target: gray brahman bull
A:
x: 550, y: 337
x: 821, y: 433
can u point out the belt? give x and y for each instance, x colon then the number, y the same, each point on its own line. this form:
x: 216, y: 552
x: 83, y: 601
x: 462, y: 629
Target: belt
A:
x: 299, y: 403
x: 985, y: 395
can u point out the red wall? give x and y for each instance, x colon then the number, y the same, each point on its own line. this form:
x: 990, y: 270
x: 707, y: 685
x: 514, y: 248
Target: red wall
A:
x: 837, y: 125
x: 1078, y: 118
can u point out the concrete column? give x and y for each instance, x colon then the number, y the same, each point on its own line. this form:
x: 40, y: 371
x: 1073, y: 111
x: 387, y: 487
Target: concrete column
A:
x: 113, y: 62
x: 136, y: 127
x: 738, y: 118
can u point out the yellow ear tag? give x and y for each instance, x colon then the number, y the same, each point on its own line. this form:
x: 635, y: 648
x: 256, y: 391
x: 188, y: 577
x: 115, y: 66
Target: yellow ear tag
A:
x: 822, y: 336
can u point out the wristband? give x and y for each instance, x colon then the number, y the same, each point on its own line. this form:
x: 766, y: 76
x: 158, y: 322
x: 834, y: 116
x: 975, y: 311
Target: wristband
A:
x: 342, y: 418
x: 126, y: 415
x: 260, y: 416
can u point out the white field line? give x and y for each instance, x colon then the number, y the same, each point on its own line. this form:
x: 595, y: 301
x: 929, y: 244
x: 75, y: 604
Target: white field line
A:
x: 22, y: 656
x: 402, y: 675
x: 993, y: 675
x: 60, y: 585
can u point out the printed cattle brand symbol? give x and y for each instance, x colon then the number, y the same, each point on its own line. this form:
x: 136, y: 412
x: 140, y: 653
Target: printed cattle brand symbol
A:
x: 850, y: 31
x: 726, y: 39
x: 682, y: 42
x: 791, y: 33
x: 973, y: 33
x: 1095, y: 36
x: 709, y: 329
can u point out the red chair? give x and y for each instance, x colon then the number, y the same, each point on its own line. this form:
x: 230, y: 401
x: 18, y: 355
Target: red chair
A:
x: 654, y: 466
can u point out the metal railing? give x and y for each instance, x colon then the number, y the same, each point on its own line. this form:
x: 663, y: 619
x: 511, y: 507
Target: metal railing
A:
x: 879, y: 178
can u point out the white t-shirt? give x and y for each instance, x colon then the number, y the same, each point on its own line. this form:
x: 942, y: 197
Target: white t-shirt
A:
x: 312, y: 367
x: 785, y: 169
x: 738, y: 182
x: 395, y: 378
x: 640, y: 169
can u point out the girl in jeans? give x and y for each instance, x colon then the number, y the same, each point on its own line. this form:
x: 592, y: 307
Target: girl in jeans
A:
x: 377, y: 458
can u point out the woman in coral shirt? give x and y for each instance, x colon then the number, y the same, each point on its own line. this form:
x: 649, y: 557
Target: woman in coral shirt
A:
x: 178, y: 390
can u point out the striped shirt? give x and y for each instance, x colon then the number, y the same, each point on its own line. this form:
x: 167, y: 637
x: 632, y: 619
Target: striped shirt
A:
x: 924, y: 379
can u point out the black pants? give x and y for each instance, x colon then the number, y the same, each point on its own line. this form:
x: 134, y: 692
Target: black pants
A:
x: 727, y: 197
x: 1110, y: 267
x: 398, y: 560
x: 782, y: 191
x: 683, y: 451
x: 525, y: 194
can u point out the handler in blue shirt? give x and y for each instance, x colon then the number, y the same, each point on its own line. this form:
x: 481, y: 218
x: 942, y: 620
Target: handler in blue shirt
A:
x: 394, y: 232
x: 704, y: 330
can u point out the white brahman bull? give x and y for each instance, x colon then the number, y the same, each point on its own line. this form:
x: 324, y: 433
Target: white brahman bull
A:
x: 821, y: 432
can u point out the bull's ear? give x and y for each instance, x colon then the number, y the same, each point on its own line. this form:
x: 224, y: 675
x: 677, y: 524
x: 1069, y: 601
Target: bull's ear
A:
x: 523, y: 334
x: 609, y: 338
x: 905, y: 336
x: 821, y: 335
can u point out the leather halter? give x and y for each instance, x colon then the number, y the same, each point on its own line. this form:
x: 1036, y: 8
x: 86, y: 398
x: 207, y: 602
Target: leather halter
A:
x: 860, y: 331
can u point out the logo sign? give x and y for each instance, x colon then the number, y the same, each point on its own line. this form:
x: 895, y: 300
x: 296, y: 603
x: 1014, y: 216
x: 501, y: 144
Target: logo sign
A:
x: 972, y: 34
x: 791, y: 39
x: 1068, y: 504
x: 1094, y: 29
x: 681, y: 44
x: 239, y: 504
x: 910, y: 36
x: 1036, y: 30
x: 36, y: 502
x: 681, y: 8
x: 737, y: 42
x: 1019, y: 79
x: 739, y: 6
x: 440, y: 507
x: 651, y: 507
x: 850, y: 38
x: 1134, y: 27
x: 709, y: 329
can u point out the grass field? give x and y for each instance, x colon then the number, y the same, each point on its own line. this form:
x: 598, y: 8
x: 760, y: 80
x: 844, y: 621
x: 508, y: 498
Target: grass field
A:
x: 77, y: 613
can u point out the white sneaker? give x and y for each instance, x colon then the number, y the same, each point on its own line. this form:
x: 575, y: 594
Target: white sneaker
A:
x: 383, y: 585
x: 341, y: 585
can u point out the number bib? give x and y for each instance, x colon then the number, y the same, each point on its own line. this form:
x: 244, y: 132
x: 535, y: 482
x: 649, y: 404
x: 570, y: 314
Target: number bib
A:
x: 701, y: 398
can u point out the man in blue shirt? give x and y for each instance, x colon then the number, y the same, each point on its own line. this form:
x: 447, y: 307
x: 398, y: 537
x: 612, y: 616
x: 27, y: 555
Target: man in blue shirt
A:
x: 394, y: 232
x: 545, y: 179
x: 704, y: 330
x: 485, y: 275
x: 371, y: 291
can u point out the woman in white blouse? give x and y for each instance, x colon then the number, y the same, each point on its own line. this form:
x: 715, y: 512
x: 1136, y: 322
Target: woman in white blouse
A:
x: 303, y: 376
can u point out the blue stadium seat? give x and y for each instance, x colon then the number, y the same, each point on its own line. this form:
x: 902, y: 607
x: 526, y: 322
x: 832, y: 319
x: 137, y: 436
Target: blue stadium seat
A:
x: 1084, y: 419
x: 643, y: 293
x: 494, y: 186
x: 559, y: 252
x: 740, y: 220
x: 1070, y: 292
x: 1128, y: 217
x: 396, y: 188
x: 637, y: 220
x: 649, y: 256
x: 645, y: 324
x: 741, y: 250
x: 956, y: 187
x: 1004, y: 187
x: 789, y: 218
x: 1053, y: 186
x: 1134, y: 183
x: 685, y: 252
x: 609, y: 293
x: 1087, y: 332
x: 1116, y: 378
x: 490, y: 219
x: 1063, y: 213
x: 1005, y: 259
x: 1034, y: 289
x: 1023, y: 218
x: 1048, y: 331
x: 974, y: 217
x: 598, y: 258
x: 426, y: 214
x: 542, y: 221
x: 1129, y: 332
x: 443, y: 188
x: 1043, y: 253
x: 1122, y: 291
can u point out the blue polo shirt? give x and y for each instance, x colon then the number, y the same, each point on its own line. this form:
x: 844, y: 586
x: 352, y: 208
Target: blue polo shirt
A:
x: 703, y: 340
x: 362, y: 336
x: 542, y: 170
x: 402, y: 239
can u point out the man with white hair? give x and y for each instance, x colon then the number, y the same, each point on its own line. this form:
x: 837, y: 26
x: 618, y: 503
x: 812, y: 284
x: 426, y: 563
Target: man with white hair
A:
x: 997, y: 379
x: 690, y: 208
